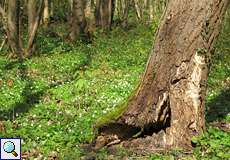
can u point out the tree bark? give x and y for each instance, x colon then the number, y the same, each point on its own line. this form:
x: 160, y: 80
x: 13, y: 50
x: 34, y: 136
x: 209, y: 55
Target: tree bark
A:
x: 124, y: 12
x: 138, y: 9
x: 46, y: 13
x: 104, y: 13
x: 78, y: 21
x: 13, y: 27
x: 168, y: 107
x: 151, y: 13
x: 35, y: 8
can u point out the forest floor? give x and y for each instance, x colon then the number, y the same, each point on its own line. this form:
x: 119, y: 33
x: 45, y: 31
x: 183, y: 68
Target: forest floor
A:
x: 53, y: 99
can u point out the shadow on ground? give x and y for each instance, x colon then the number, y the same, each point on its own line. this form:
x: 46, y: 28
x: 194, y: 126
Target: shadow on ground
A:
x: 29, y: 96
x: 219, y: 107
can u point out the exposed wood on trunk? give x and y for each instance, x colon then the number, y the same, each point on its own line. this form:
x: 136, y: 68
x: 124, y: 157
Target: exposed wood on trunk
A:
x: 169, y: 104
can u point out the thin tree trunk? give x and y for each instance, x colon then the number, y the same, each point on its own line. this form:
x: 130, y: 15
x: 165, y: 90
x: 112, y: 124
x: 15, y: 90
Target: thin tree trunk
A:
x: 51, y: 8
x: 151, y: 12
x: 35, y: 8
x: 46, y: 13
x: 125, y: 4
x: 92, y: 21
x: 138, y: 9
x: 104, y: 13
x: 168, y: 107
x: 78, y: 24
x: 13, y: 27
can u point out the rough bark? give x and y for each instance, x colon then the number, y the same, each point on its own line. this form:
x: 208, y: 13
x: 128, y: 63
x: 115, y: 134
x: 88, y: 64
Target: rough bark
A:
x: 78, y: 21
x: 168, y: 108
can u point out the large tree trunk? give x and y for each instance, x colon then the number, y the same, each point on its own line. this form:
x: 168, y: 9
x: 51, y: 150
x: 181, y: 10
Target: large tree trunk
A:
x: 168, y: 107
x: 13, y: 27
x: 78, y: 21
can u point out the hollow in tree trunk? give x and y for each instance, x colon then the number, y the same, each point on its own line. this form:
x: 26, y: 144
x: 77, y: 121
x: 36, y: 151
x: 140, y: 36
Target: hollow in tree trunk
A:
x: 168, y: 107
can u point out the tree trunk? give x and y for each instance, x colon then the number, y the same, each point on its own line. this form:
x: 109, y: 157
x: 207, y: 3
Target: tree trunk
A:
x: 104, y: 13
x: 168, y: 107
x: 78, y: 21
x: 138, y: 9
x: 91, y: 18
x: 35, y: 8
x: 13, y: 27
x: 151, y: 13
x: 124, y: 12
x: 46, y: 13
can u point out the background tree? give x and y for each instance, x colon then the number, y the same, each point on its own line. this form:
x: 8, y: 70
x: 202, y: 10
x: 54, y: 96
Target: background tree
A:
x: 123, y: 11
x: 35, y: 10
x: 104, y: 13
x: 12, y: 27
x: 78, y: 20
x: 46, y: 12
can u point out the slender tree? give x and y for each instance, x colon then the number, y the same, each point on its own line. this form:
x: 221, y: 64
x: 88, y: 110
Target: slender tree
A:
x: 78, y: 20
x: 124, y: 11
x: 12, y: 28
x: 104, y: 13
x: 168, y: 107
x: 46, y: 13
x: 138, y: 9
x: 35, y: 10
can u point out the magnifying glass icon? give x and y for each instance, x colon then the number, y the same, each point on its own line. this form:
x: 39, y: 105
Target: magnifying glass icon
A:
x: 9, y: 147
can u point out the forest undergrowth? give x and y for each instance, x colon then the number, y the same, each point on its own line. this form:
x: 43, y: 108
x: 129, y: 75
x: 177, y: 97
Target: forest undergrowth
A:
x: 53, y: 99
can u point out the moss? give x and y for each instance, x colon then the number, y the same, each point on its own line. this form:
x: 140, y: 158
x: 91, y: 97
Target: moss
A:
x: 116, y: 113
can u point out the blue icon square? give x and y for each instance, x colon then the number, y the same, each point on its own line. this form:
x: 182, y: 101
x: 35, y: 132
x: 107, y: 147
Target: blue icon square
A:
x: 10, y: 149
